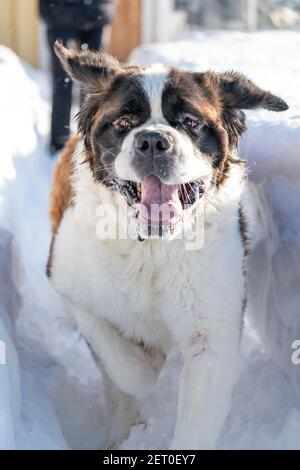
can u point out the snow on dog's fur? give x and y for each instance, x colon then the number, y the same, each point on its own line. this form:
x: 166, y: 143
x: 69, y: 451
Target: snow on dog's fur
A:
x: 162, y: 138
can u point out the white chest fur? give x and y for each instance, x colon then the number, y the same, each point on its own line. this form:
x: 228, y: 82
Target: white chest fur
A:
x: 147, y: 288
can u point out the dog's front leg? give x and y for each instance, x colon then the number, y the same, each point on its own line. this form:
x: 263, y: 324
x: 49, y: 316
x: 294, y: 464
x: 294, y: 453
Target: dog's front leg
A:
x: 125, y: 361
x: 210, y: 369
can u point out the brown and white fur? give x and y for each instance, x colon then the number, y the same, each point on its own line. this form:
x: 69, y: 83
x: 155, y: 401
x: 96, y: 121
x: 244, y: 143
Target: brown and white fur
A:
x: 171, y: 135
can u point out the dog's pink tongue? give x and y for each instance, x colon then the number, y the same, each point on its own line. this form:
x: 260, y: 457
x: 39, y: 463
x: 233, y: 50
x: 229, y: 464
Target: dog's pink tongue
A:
x: 159, y: 202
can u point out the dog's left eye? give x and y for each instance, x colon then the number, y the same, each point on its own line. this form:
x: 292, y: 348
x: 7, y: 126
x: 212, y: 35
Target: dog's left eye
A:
x: 191, y: 123
x: 123, y: 123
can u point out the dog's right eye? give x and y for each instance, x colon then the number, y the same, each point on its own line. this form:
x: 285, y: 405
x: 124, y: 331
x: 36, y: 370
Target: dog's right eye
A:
x: 123, y: 123
x: 191, y: 123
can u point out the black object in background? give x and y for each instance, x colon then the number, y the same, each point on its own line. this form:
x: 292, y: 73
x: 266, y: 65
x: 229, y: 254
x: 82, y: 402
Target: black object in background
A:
x: 79, y: 22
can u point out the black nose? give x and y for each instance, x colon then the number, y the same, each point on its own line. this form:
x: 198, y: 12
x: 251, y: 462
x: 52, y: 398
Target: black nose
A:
x: 152, y: 143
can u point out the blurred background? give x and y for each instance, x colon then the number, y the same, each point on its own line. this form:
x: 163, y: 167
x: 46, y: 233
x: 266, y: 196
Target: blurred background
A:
x: 142, y: 21
x: 30, y: 27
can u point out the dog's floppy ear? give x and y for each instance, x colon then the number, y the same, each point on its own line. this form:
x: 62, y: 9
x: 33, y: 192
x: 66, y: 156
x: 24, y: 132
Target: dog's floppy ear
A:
x: 91, y: 69
x: 238, y: 92
x: 234, y: 92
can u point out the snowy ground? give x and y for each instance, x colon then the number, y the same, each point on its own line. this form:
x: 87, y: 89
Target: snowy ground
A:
x: 50, y: 388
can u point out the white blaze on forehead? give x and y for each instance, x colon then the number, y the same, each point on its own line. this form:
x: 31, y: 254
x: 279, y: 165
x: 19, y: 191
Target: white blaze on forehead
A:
x: 154, y: 80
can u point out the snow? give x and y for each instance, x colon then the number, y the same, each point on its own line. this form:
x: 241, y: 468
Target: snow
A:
x: 57, y: 378
x: 51, y: 394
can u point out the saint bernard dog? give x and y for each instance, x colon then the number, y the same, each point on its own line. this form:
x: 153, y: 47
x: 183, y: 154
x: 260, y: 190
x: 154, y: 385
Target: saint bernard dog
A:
x: 155, y: 162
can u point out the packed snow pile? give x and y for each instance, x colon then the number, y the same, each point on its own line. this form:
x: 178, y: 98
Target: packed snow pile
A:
x: 51, y: 394
x: 49, y: 377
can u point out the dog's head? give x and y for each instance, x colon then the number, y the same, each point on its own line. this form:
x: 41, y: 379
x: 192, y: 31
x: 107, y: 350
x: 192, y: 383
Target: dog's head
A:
x: 162, y: 137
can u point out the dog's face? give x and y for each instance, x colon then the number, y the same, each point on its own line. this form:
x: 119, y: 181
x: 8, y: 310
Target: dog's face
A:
x: 161, y: 137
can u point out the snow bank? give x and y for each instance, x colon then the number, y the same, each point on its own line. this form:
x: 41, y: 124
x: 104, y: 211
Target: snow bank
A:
x: 61, y: 403
x: 50, y: 388
x: 10, y: 391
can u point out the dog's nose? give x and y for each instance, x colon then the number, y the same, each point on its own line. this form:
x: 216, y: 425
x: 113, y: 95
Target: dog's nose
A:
x: 152, y: 143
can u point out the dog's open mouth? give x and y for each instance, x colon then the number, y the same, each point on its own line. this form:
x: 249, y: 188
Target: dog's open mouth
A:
x: 161, y: 205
